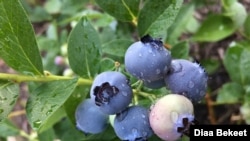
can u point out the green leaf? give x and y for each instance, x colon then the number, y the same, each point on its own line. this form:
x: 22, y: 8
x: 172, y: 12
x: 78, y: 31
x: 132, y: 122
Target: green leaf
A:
x: 38, y: 14
x: 236, y: 11
x: 7, y: 128
x: 52, y: 49
x: 192, y: 25
x: 227, y: 3
x: 102, y: 20
x: 184, y: 138
x: 215, y: 28
x: 245, y: 66
x: 84, y: 49
x: 116, y: 47
x: 124, y: 10
x: 180, y: 50
x: 48, y: 135
x: 18, y: 46
x: 107, y: 34
x: 108, y: 135
x: 67, y: 131
x: 54, y: 118
x: 247, y: 27
x: 181, y: 21
x: 74, y: 100
x: 8, y: 97
x: 107, y: 64
x: 43, y: 106
x: 71, y: 7
x: 247, y: 94
x: 211, y: 65
x: 232, y: 55
x: 53, y: 6
x: 157, y: 16
x: 240, y: 55
x: 230, y: 93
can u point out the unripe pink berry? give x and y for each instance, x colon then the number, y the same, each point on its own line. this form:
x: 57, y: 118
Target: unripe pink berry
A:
x: 171, y: 116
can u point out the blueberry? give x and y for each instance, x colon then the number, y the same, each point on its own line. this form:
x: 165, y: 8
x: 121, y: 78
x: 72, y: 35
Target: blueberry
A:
x: 133, y: 124
x: 171, y: 116
x: 89, y: 118
x: 147, y: 59
x: 111, y: 91
x: 155, y: 84
x: 187, y: 78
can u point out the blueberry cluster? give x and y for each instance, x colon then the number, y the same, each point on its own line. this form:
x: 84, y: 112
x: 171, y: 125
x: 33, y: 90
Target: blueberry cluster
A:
x: 169, y: 117
x: 149, y: 61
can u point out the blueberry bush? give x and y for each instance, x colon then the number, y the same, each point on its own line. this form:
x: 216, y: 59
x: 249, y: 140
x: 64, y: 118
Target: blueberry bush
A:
x: 122, y: 69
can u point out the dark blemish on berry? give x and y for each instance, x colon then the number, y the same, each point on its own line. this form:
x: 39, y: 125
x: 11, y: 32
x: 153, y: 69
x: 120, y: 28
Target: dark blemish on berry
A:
x: 156, y: 43
x: 185, y: 130
x: 146, y: 39
x: 104, y: 93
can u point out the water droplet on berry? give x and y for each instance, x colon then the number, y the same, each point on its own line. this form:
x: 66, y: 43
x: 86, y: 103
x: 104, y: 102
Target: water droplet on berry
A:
x: 174, y: 116
x: 150, y: 51
x: 144, y: 133
x: 201, y: 71
x: 143, y: 116
x: 140, y: 55
x: 205, y: 80
x: 182, y: 73
x: 158, y: 71
x: 166, y: 69
x: 197, y: 91
x: 190, y: 84
x: 124, y: 94
x: 134, y: 131
x: 141, y: 74
x: 176, y: 67
x: 202, y: 93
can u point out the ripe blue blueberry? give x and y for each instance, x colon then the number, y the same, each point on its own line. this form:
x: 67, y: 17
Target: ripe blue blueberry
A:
x: 111, y: 91
x: 133, y: 124
x: 171, y: 116
x: 147, y: 59
x: 89, y: 118
x: 187, y: 78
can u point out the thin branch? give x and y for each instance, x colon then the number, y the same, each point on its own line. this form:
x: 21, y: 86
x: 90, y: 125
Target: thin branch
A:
x: 18, y: 78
